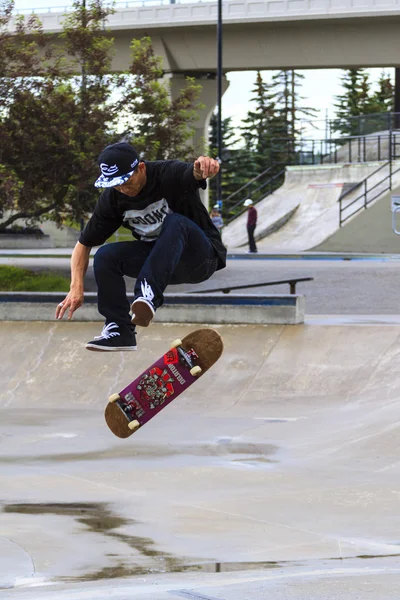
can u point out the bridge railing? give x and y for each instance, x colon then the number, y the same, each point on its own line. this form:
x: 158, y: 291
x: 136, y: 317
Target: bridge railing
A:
x: 119, y: 4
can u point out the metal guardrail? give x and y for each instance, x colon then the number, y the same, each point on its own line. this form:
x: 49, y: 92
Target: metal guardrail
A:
x: 118, y: 4
x: 292, y: 286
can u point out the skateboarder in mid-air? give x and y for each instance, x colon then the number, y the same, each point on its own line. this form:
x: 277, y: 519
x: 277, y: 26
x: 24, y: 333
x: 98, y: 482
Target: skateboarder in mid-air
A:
x: 176, y: 241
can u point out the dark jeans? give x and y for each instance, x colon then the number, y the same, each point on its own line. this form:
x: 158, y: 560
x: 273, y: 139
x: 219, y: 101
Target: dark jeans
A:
x: 182, y: 253
x: 252, y: 242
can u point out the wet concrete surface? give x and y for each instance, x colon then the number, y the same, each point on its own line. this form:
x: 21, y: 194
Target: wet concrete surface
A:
x: 276, y: 475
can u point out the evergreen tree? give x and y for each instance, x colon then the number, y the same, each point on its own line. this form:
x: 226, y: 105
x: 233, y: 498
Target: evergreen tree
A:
x: 259, y: 127
x: 234, y: 174
x: 382, y: 104
x: 356, y: 101
x: 384, y: 96
x: 286, y: 85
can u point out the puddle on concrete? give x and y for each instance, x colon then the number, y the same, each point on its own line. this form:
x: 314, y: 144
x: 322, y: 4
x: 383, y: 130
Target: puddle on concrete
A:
x: 124, y: 570
x: 99, y: 518
x: 95, y: 516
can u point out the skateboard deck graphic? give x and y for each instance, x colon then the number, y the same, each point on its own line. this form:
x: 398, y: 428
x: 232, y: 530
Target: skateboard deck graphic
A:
x: 186, y: 361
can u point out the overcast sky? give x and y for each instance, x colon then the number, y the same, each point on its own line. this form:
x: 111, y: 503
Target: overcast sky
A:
x: 319, y: 86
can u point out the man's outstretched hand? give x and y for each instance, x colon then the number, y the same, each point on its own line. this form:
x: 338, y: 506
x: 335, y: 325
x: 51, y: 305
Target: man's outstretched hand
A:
x: 205, y: 167
x: 72, y: 301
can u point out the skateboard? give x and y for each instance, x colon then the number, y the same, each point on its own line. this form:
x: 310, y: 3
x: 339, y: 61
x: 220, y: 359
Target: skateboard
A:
x: 186, y: 361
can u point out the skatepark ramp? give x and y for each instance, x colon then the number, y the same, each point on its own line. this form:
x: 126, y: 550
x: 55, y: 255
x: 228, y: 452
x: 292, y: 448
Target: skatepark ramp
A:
x: 370, y: 231
x: 304, y: 212
x: 286, y: 452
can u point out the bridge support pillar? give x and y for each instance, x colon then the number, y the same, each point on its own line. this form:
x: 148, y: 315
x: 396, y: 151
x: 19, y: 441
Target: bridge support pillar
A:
x: 208, y: 98
x: 396, y: 123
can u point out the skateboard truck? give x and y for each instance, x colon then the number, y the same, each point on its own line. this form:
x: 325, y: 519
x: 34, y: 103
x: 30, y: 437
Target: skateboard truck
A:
x: 187, y: 357
x: 124, y: 408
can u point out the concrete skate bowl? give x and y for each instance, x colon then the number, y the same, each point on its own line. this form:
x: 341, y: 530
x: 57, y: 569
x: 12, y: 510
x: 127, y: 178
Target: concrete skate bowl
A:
x: 286, y: 450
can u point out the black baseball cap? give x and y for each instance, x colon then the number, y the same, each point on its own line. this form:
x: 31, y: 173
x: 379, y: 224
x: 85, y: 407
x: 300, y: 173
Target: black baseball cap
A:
x: 117, y: 163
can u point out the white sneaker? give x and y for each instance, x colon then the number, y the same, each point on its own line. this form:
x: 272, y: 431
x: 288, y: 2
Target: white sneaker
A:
x: 143, y: 312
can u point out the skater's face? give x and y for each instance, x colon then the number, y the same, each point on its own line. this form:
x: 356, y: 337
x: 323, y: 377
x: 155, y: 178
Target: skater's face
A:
x: 135, y: 183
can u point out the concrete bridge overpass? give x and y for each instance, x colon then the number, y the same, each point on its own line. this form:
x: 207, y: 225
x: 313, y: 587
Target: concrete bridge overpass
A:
x: 258, y: 34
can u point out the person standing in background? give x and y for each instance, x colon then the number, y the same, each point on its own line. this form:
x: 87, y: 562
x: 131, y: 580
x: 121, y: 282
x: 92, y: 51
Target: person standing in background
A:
x: 251, y: 224
x: 216, y: 217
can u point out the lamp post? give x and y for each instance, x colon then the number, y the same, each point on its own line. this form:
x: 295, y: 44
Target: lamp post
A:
x: 219, y: 102
x: 83, y: 90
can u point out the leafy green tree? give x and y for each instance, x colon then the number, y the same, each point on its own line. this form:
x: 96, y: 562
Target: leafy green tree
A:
x: 21, y: 73
x: 159, y: 127
x: 55, y: 123
x: 89, y: 54
x: 58, y: 112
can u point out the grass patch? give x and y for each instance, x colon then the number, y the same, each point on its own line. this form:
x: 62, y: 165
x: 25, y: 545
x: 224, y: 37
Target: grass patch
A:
x: 15, y: 279
x: 122, y: 235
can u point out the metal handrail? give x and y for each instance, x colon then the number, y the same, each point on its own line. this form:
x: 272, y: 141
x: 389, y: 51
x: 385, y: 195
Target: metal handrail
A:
x: 269, y: 182
x: 365, y: 193
x: 347, y: 192
x: 247, y: 184
x: 225, y: 290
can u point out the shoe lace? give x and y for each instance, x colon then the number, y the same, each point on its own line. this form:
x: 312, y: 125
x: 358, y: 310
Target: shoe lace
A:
x: 147, y: 292
x: 106, y: 332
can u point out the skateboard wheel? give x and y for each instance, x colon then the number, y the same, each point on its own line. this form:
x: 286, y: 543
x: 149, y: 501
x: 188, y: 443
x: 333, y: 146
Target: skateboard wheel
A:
x: 176, y: 343
x: 195, y: 371
x: 134, y: 425
x: 114, y: 397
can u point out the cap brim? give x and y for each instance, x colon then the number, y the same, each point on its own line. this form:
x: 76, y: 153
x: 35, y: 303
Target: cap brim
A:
x: 106, y: 182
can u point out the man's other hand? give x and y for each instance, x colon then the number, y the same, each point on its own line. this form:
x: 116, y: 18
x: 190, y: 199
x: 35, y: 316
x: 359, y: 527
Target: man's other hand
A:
x: 205, y: 167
